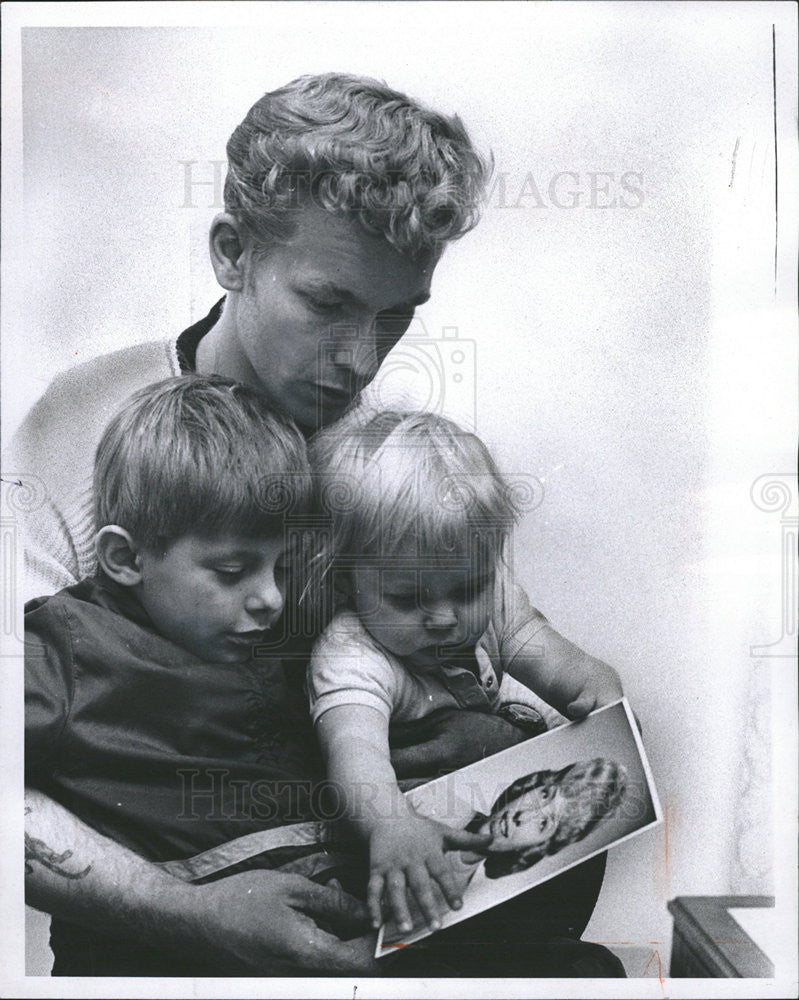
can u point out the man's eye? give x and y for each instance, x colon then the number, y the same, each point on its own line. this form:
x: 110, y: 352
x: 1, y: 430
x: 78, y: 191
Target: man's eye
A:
x: 323, y: 305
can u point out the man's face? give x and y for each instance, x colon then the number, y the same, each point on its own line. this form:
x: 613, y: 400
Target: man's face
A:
x: 317, y: 314
x: 216, y: 596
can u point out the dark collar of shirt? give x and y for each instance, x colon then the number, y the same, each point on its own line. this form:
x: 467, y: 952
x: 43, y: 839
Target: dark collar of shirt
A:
x: 189, y: 340
x: 104, y: 592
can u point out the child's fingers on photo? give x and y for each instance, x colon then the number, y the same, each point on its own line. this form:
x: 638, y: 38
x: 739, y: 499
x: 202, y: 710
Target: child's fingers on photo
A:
x: 396, y: 893
x: 423, y: 888
x: 462, y: 840
x: 441, y: 870
x: 374, y: 897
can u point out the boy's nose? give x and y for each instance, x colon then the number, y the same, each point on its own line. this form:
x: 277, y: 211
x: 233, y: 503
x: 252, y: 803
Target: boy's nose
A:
x: 265, y: 596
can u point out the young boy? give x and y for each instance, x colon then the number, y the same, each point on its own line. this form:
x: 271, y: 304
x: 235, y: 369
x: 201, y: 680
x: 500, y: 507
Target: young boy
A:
x: 154, y: 710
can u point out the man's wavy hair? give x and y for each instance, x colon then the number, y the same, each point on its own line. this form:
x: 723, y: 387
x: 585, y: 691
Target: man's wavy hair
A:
x: 591, y: 790
x: 350, y: 144
x: 199, y: 454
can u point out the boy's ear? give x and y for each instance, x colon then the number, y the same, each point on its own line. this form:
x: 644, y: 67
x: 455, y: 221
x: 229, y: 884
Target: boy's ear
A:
x: 118, y: 555
x: 227, y: 242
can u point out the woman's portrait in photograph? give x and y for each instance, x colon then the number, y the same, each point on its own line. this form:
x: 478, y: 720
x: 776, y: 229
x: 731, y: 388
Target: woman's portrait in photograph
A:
x: 542, y: 812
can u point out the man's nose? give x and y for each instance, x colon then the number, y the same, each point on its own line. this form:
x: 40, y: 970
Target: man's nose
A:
x: 358, y: 353
x: 265, y: 596
x: 365, y: 362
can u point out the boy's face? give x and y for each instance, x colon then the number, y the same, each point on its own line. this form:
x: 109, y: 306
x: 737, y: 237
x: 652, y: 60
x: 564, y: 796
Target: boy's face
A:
x: 426, y: 615
x: 215, y: 596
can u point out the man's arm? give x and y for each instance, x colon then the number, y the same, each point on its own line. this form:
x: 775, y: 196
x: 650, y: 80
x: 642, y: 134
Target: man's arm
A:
x: 445, y: 740
x: 448, y: 739
x: 261, y: 922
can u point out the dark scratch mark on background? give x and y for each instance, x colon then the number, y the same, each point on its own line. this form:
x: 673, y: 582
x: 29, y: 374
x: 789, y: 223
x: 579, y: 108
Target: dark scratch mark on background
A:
x: 774, y: 96
x: 734, y: 158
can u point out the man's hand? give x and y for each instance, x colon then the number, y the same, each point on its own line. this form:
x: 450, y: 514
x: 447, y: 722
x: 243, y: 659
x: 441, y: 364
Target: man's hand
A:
x: 407, y: 853
x: 448, y: 739
x: 269, y: 923
x: 259, y: 921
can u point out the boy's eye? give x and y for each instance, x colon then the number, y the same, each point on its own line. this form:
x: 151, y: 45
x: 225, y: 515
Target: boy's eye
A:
x: 229, y: 572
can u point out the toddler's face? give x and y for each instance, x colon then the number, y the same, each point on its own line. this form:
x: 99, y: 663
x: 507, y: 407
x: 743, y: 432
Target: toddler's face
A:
x: 216, y: 596
x: 424, y: 614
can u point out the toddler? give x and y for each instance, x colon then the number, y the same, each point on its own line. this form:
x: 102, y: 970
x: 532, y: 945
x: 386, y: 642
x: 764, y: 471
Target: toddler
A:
x: 426, y: 617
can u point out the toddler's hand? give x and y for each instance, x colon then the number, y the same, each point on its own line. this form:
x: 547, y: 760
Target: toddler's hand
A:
x: 602, y: 687
x: 407, y: 853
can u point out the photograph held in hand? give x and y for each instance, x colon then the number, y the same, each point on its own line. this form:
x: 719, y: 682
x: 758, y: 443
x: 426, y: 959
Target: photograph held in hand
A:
x: 493, y: 271
x: 545, y: 805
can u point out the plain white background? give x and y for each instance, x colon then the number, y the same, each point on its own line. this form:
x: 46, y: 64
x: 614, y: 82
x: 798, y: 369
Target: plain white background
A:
x: 638, y: 361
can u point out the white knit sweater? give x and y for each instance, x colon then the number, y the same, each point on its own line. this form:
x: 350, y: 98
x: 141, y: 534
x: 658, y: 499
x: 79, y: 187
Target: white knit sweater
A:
x: 52, y: 456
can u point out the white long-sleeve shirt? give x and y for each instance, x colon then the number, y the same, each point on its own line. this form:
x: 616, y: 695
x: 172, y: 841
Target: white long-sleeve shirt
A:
x: 48, y: 465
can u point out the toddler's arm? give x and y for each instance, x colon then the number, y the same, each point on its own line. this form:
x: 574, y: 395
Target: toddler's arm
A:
x: 406, y: 851
x: 563, y: 675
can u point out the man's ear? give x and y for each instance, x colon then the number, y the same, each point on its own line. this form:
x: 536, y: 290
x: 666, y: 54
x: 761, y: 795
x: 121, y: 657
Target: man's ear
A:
x: 227, y: 242
x: 118, y: 555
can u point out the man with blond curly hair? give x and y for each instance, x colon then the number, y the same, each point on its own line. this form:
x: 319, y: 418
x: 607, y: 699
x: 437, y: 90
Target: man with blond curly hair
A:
x: 340, y: 198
